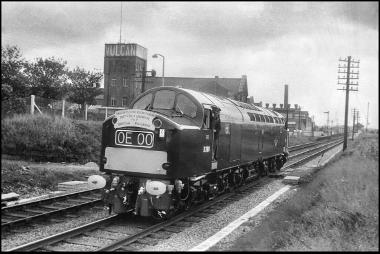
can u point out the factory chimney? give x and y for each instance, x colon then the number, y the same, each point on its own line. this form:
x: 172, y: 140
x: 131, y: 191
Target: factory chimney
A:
x: 286, y: 96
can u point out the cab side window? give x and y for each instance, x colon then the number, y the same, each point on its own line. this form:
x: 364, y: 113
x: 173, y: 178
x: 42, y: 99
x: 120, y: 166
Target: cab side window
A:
x: 206, y: 119
x: 186, y: 106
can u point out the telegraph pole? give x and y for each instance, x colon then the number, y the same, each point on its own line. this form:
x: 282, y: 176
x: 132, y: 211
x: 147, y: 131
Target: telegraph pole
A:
x: 353, y: 123
x: 349, y: 71
x: 328, y: 117
x: 286, y: 95
x: 366, y: 126
x: 357, y: 121
x: 299, y: 118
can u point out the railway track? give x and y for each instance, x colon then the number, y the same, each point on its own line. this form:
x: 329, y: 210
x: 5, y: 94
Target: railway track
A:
x: 311, y: 144
x: 309, y: 154
x: 111, y: 239
x: 150, y: 235
x: 32, y: 212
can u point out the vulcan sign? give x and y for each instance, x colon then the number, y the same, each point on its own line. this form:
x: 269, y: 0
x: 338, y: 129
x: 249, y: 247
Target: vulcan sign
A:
x: 125, y: 50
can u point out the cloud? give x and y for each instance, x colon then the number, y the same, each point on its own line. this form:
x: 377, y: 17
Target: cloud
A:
x: 365, y: 13
x: 58, y: 23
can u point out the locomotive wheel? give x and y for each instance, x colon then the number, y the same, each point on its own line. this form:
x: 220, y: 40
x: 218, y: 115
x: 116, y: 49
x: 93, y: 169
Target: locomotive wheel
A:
x: 272, y: 166
x: 279, y: 163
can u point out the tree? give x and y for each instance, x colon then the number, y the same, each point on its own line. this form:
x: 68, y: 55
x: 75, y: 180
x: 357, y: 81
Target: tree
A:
x: 85, y: 86
x: 13, y: 81
x: 48, y: 78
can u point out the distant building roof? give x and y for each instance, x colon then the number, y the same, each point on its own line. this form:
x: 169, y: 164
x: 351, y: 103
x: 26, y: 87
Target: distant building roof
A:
x: 227, y: 87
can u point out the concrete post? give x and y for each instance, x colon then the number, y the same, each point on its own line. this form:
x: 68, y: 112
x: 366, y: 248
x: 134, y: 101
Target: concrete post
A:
x: 32, y: 97
x: 85, y: 112
x: 63, y: 108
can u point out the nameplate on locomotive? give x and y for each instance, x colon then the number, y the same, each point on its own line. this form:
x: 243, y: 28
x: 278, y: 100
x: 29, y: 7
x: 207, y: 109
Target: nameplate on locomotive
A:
x: 134, y: 118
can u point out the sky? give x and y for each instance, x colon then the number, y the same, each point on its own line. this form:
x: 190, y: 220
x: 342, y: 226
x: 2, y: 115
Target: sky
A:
x: 273, y: 43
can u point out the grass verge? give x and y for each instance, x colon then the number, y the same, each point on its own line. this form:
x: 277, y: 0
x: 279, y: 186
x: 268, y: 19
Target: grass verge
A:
x: 55, y: 139
x: 336, y: 211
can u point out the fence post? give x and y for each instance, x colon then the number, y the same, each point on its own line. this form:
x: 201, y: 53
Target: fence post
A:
x: 32, y: 104
x: 63, y: 108
x: 106, y: 113
x: 85, y: 115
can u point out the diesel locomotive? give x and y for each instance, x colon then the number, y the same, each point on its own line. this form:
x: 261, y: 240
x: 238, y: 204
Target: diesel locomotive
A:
x: 176, y: 147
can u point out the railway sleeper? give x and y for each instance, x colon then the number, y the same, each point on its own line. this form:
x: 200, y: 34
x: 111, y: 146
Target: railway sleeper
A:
x: 201, y: 215
x: 160, y: 235
x: 54, y: 208
x: 79, y: 241
x: 173, y: 229
x: 72, y: 215
x: 56, y: 220
x: 6, y: 220
x: 34, y: 210
x: 210, y: 211
x: 183, y: 224
x: 19, y: 230
x: 85, y: 198
x: 127, y: 248
x: 148, y: 241
x: 18, y: 215
x: 192, y: 219
x: 80, y: 200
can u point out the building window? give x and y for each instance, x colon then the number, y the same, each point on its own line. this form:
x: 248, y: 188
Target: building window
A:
x: 113, y: 101
x: 113, y: 82
x: 124, y: 102
x: 125, y: 82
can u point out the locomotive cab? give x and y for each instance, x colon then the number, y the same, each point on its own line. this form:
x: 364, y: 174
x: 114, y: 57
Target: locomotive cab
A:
x: 166, y: 135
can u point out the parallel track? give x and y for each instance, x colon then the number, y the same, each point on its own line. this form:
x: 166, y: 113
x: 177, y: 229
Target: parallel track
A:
x: 22, y: 214
x: 309, y: 154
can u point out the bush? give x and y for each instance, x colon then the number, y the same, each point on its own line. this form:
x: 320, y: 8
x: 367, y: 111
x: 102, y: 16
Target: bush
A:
x: 46, y: 138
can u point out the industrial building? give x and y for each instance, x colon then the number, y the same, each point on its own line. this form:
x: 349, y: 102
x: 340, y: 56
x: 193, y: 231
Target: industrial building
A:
x: 125, y: 77
x: 297, y: 119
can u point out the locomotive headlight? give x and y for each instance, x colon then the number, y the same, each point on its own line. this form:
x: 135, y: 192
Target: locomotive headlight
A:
x: 155, y: 187
x: 157, y: 123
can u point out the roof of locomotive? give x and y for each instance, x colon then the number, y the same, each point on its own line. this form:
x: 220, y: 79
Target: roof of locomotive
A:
x: 205, y: 98
x: 231, y: 110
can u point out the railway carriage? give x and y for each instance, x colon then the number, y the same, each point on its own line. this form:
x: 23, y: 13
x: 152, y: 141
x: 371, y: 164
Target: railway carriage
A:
x: 175, y: 147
